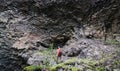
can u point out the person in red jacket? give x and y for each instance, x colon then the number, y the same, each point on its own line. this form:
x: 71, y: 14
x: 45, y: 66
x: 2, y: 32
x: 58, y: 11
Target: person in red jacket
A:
x: 59, y: 54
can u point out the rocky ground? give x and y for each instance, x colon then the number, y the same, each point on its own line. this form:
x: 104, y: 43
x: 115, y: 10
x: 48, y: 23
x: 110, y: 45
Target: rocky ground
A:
x: 80, y: 54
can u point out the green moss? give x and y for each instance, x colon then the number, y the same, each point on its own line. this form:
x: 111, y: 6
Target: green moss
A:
x: 100, y: 69
x: 35, y: 68
x: 117, y: 62
x: 75, y: 60
x: 32, y: 68
x: 65, y: 65
x: 47, y: 52
x: 75, y: 69
x: 71, y: 61
x: 113, y: 42
x: 55, y: 67
x: 61, y: 65
x: 70, y: 65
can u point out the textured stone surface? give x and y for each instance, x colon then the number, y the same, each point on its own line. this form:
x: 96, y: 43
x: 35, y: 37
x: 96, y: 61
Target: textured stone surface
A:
x: 31, y: 25
x: 49, y: 18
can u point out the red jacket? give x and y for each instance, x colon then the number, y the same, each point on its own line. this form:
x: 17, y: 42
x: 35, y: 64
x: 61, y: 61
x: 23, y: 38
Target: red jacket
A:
x: 59, y: 52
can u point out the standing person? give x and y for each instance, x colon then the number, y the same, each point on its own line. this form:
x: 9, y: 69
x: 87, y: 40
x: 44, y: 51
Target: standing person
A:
x: 59, y: 54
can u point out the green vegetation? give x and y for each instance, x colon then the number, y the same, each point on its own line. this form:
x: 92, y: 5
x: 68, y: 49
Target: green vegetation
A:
x: 75, y: 69
x: 66, y: 65
x: 117, y: 63
x: 113, y: 42
x: 49, y: 54
x: 32, y: 68
x: 47, y: 51
x: 73, y: 63
x: 100, y: 69
x: 70, y: 65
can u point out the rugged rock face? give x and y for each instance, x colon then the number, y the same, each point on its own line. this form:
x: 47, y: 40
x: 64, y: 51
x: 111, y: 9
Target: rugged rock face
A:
x: 33, y: 25
x: 51, y: 18
x: 88, y: 48
x: 107, y: 16
x: 10, y: 61
x: 81, y: 49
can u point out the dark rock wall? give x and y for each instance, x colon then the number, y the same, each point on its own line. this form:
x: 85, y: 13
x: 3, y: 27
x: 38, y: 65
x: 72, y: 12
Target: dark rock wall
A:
x: 52, y: 18
x: 108, y: 16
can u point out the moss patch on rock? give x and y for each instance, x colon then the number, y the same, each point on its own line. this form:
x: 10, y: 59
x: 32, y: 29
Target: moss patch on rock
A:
x: 114, y: 42
x: 32, y: 68
x: 75, y: 64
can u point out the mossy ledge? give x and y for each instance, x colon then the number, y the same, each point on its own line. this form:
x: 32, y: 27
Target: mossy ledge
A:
x: 71, y: 65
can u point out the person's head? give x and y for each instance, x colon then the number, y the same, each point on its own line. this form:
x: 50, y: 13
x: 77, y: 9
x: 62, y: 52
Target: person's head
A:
x: 58, y: 47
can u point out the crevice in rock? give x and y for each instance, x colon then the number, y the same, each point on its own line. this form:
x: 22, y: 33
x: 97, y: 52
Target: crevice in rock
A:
x: 60, y: 40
